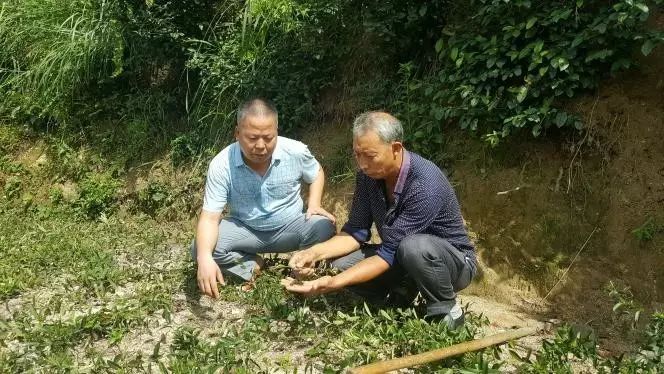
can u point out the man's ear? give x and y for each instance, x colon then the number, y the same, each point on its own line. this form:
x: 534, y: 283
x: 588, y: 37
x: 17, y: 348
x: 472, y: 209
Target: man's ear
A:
x: 396, y: 148
x: 237, y: 131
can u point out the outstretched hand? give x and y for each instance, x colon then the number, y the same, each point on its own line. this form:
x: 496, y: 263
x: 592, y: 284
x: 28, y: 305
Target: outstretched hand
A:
x: 308, y: 288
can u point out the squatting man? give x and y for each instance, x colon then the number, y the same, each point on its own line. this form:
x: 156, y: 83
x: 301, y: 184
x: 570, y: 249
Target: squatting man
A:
x: 418, y: 218
x: 259, y: 178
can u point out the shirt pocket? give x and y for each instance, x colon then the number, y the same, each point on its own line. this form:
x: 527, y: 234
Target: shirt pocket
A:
x: 244, y: 191
x: 281, y: 189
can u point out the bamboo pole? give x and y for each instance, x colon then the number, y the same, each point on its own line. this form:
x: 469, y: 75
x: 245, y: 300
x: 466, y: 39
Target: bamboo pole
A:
x: 439, y: 354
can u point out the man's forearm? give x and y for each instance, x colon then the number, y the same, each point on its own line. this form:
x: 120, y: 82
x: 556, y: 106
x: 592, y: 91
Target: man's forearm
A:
x: 339, y: 245
x: 316, y: 189
x: 361, y: 272
x: 207, y: 233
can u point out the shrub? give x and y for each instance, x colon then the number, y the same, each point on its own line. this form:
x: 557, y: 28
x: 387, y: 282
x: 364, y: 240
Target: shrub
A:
x: 13, y: 187
x: 647, y: 231
x: 98, y: 194
x: 506, y: 67
x: 152, y: 198
x: 283, y: 50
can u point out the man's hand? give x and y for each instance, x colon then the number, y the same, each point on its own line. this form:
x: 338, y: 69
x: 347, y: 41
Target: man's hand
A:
x: 208, y: 275
x: 316, y: 210
x: 303, y: 263
x: 309, y: 288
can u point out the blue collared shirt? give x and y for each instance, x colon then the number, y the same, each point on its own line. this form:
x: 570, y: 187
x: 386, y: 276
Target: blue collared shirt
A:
x: 424, y: 203
x: 263, y: 203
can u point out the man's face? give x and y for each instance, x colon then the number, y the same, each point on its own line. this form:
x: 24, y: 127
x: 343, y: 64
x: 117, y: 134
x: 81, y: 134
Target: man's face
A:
x: 257, y: 136
x: 375, y: 158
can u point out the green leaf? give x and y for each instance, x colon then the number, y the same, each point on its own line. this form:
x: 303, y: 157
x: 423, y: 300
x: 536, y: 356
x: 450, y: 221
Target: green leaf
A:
x: 561, y: 119
x: 647, y: 47
x: 617, y: 306
x: 537, y: 129
x: 599, y: 55
x: 531, y: 22
x: 439, y: 45
x: 367, y: 310
x: 538, y: 46
x: 454, y: 53
x: 563, y: 64
x: 601, y: 28
x: 523, y: 91
x: 642, y: 7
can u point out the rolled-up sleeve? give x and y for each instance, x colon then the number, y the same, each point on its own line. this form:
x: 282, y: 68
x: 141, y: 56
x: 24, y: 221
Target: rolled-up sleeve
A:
x: 359, y: 219
x: 420, y: 208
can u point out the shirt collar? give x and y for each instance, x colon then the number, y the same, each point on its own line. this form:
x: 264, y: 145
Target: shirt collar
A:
x: 403, y: 172
x: 237, y: 155
x: 277, y: 155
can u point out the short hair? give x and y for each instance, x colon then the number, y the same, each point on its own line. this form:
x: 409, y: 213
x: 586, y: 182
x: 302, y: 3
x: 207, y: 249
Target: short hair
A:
x: 257, y: 106
x: 388, y: 128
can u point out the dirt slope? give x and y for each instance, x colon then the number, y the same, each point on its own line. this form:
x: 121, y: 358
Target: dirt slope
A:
x: 537, y: 207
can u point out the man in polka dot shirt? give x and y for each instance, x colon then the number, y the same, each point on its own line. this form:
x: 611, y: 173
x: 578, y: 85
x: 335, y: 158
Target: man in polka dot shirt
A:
x: 418, y: 218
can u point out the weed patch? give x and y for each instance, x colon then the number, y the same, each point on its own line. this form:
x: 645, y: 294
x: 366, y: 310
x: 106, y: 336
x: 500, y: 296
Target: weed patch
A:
x: 99, y: 194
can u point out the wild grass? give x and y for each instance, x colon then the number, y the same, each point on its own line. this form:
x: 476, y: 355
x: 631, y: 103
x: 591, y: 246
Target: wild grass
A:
x: 52, y: 49
x: 117, y: 293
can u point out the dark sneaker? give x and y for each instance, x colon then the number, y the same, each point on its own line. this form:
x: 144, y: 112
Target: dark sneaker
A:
x: 452, y: 323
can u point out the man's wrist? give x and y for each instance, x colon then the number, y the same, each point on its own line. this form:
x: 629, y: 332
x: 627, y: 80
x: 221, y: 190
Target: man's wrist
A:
x: 203, y: 256
x: 316, y: 253
x: 333, y: 284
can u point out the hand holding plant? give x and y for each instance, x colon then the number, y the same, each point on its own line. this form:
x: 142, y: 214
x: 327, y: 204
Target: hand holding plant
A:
x: 302, y: 264
x: 309, y: 288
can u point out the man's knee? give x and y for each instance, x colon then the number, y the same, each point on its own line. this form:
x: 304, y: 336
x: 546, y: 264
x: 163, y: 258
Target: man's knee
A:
x: 322, y: 229
x: 416, y: 248
x: 219, y: 250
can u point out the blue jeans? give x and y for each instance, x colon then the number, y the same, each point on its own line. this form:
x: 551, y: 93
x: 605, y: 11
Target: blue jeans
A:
x: 238, y: 244
x: 437, y: 268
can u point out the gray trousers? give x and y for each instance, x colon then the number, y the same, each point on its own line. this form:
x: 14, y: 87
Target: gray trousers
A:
x: 237, y: 245
x: 436, y: 267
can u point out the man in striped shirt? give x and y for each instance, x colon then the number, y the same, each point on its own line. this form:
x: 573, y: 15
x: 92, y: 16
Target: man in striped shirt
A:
x: 417, y: 216
x: 259, y: 178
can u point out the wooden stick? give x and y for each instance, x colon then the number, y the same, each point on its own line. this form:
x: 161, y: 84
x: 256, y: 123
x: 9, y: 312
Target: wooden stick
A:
x: 439, y: 354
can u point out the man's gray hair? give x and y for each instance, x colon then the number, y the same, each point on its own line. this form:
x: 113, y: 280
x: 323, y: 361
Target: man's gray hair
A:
x: 258, y: 107
x: 386, y: 126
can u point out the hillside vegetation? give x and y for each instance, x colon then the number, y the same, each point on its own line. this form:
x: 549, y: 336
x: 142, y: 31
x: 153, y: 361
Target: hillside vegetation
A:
x: 546, y: 115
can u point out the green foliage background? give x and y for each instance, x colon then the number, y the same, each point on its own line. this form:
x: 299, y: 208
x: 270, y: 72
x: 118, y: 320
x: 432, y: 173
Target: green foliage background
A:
x: 175, y: 71
x: 135, y: 79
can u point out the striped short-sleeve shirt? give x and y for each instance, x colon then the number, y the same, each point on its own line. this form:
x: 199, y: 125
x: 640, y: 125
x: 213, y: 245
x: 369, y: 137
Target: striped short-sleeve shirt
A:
x: 261, y: 202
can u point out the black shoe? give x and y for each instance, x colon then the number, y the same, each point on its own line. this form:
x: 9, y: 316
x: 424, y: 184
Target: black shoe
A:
x: 452, y: 323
